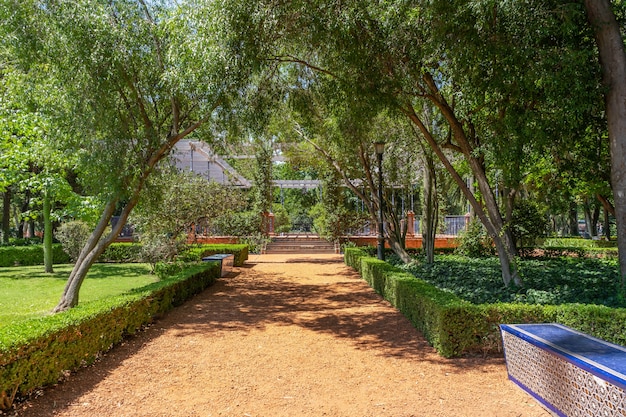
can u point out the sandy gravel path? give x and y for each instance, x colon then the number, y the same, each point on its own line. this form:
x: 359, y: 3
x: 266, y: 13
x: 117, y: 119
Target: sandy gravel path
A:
x: 295, y: 335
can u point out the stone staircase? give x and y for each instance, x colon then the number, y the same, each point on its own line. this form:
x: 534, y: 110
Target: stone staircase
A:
x: 299, y: 243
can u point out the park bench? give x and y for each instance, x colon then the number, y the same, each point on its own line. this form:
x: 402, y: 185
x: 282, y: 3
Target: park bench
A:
x: 226, y: 261
x: 569, y: 372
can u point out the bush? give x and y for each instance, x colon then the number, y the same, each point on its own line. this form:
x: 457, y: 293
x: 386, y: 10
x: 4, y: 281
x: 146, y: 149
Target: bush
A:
x: 122, y: 252
x: 160, y: 248
x: 73, y: 236
x: 475, y: 242
x: 30, y: 255
x: 528, y: 223
x: 36, y: 353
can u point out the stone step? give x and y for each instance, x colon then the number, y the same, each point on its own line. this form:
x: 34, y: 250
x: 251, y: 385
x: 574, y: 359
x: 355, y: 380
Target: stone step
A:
x: 299, y: 245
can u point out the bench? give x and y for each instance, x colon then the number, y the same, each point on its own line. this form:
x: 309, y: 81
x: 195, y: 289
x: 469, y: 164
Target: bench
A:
x: 226, y: 261
x: 569, y: 372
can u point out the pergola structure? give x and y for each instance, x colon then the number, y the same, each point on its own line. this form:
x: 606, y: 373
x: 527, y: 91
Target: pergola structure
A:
x: 197, y: 156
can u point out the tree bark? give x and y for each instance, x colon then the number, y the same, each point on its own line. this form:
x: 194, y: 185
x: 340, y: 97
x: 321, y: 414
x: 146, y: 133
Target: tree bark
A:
x: 573, y: 219
x: 6, y: 215
x: 431, y: 209
x: 613, y: 62
x: 47, y: 233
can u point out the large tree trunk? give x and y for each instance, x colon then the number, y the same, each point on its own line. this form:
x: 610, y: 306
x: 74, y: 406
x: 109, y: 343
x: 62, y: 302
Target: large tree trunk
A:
x: 613, y: 62
x: 6, y: 215
x: 88, y: 255
x: 47, y: 233
x: 430, y: 215
x: 573, y: 219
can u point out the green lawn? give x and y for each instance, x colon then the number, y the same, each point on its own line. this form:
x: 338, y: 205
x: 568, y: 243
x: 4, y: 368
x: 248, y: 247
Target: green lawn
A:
x: 27, y: 292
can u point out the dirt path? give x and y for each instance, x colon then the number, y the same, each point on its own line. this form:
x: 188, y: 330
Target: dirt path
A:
x: 285, y: 336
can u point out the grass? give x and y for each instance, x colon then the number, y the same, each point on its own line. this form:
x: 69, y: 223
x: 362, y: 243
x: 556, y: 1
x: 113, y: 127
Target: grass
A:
x: 546, y: 281
x: 27, y: 292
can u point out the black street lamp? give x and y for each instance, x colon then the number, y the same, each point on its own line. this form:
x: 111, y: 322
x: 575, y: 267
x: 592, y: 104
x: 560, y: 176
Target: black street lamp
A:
x: 380, y: 148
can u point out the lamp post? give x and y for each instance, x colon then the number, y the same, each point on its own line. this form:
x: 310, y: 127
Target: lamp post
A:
x: 380, y: 148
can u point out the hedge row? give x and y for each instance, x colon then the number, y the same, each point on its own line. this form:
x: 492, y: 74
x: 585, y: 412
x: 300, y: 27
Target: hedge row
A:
x: 200, y: 251
x: 37, y: 352
x: 455, y: 327
x: 30, y: 255
x: 116, y: 252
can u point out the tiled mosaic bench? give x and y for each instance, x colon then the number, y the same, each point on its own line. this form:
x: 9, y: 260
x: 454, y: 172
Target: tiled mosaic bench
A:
x: 572, y: 374
x: 226, y: 261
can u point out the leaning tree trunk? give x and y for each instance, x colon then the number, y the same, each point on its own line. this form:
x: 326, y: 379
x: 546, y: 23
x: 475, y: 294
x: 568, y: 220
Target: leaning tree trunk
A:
x: 93, y: 248
x: 96, y: 244
x: 613, y: 62
x: 488, y: 213
x: 47, y: 233
x: 431, y: 208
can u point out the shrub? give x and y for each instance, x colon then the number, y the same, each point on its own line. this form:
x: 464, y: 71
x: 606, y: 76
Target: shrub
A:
x: 160, y: 248
x: 528, y: 223
x: 73, y: 236
x: 475, y: 242
x: 122, y: 252
x: 30, y: 255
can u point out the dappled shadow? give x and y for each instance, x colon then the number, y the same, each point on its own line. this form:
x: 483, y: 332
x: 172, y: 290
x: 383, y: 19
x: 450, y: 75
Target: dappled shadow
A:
x: 344, y: 307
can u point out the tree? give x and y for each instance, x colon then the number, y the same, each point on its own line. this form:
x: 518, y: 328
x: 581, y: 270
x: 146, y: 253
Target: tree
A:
x: 496, y: 72
x: 173, y: 203
x: 139, y: 76
x: 613, y: 62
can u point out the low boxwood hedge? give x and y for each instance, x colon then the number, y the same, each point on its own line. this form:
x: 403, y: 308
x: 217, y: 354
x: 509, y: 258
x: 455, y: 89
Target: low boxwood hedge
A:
x: 198, y: 252
x: 455, y: 327
x: 37, y: 352
x: 30, y: 255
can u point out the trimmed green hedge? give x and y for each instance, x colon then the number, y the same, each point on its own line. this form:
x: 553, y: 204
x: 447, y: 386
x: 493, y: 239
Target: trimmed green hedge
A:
x: 30, y: 255
x: 37, y: 352
x: 581, y: 247
x: 455, y: 327
x: 198, y: 252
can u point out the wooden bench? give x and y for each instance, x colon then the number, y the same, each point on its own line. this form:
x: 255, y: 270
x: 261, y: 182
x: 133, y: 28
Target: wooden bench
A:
x: 226, y: 261
x: 569, y: 372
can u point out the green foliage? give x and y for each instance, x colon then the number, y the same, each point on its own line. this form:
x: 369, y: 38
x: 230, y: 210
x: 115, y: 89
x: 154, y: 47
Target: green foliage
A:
x: 475, y: 242
x: 30, y: 255
x: 456, y: 327
x: 73, y: 236
x: 174, y: 202
x: 122, y: 252
x: 546, y: 281
x: 578, y: 246
x: 262, y: 188
x: 36, y: 353
x: 247, y: 223
x: 528, y: 223
x: 282, y: 223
